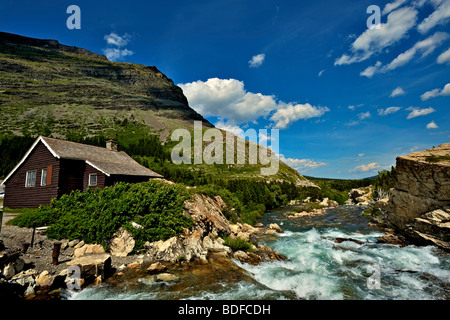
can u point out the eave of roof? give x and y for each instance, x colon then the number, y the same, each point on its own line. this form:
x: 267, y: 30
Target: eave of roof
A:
x: 134, y: 168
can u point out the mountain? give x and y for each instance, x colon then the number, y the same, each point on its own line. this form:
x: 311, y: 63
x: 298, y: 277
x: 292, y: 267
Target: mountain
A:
x: 47, y: 88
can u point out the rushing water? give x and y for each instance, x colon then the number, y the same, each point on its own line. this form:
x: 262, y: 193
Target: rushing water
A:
x: 317, y: 267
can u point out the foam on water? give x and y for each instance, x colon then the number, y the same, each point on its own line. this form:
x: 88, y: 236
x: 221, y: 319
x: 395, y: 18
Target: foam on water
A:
x: 317, y: 267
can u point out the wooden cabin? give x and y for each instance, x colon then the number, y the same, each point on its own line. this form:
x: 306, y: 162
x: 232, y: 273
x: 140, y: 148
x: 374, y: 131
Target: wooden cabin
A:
x: 53, y: 167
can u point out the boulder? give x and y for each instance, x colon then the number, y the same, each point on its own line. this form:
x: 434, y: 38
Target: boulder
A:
x: 44, y: 279
x: 156, y: 267
x: 122, y: 243
x: 325, y: 202
x: 165, y: 277
x: 88, y: 249
x: 92, y: 266
x: 9, y: 271
x: 275, y: 227
x: 240, y: 255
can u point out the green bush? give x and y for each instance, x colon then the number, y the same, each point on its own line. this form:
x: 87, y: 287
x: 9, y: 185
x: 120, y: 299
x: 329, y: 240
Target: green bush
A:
x: 94, y: 216
x: 237, y: 244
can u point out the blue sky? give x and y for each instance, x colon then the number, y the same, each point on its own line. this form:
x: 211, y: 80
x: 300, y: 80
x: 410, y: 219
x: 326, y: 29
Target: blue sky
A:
x: 347, y: 100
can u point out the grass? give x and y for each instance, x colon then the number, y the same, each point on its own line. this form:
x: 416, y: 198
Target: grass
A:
x: 237, y: 244
x: 17, y: 211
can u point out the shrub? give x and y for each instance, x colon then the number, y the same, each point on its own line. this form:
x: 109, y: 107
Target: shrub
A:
x: 237, y: 244
x: 94, y: 216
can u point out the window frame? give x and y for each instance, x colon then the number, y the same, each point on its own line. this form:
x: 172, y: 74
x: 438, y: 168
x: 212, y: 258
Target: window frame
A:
x: 44, y: 181
x: 29, y: 178
x: 89, y: 179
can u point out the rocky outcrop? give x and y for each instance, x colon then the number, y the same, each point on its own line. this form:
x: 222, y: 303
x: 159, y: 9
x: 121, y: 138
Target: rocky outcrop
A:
x: 361, y: 196
x: 419, y: 205
x: 206, y: 237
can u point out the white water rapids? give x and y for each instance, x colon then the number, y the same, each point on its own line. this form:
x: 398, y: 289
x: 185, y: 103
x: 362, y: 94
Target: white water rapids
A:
x: 316, y: 267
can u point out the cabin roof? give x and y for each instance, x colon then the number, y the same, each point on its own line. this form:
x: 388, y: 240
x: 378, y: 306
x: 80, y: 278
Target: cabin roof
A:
x: 105, y: 160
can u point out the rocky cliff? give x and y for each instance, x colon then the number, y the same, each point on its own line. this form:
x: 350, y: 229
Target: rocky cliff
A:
x: 419, y: 206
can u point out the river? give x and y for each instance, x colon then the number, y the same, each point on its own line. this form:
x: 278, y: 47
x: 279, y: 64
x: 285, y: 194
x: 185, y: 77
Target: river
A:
x: 317, y: 267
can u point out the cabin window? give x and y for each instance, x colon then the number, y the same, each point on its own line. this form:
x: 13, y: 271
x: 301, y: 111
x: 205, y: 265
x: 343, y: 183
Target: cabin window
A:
x: 44, y: 177
x: 93, y: 179
x: 30, y: 180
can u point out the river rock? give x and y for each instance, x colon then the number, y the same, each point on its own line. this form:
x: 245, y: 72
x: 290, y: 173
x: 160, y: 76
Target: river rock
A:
x: 165, y: 277
x: 325, y: 202
x: 240, y: 255
x: 44, y: 279
x: 156, y: 267
x: 9, y: 271
x: 361, y: 196
x: 275, y: 227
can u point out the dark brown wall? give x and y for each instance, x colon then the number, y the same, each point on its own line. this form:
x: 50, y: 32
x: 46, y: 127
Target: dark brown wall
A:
x: 71, y: 176
x: 100, y: 177
x: 19, y: 196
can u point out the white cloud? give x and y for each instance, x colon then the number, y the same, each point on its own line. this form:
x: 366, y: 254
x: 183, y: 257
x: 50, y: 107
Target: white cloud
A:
x: 114, y: 54
x: 116, y: 40
x: 114, y: 44
x: 417, y: 112
x: 440, y: 16
x: 390, y: 110
x: 432, y: 125
x: 352, y: 123
x: 370, y: 71
x: 430, y: 94
x: 231, y: 127
x: 321, y: 72
x: 444, y: 57
x: 228, y: 99
x: 397, y: 92
x: 366, y: 167
x: 436, y: 93
x: 372, y: 41
x: 361, y: 154
x: 353, y: 107
x: 290, y: 113
x: 446, y: 90
x: 301, y: 165
x: 364, y: 115
x: 257, y: 60
x: 425, y: 47
x: 392, y: 6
